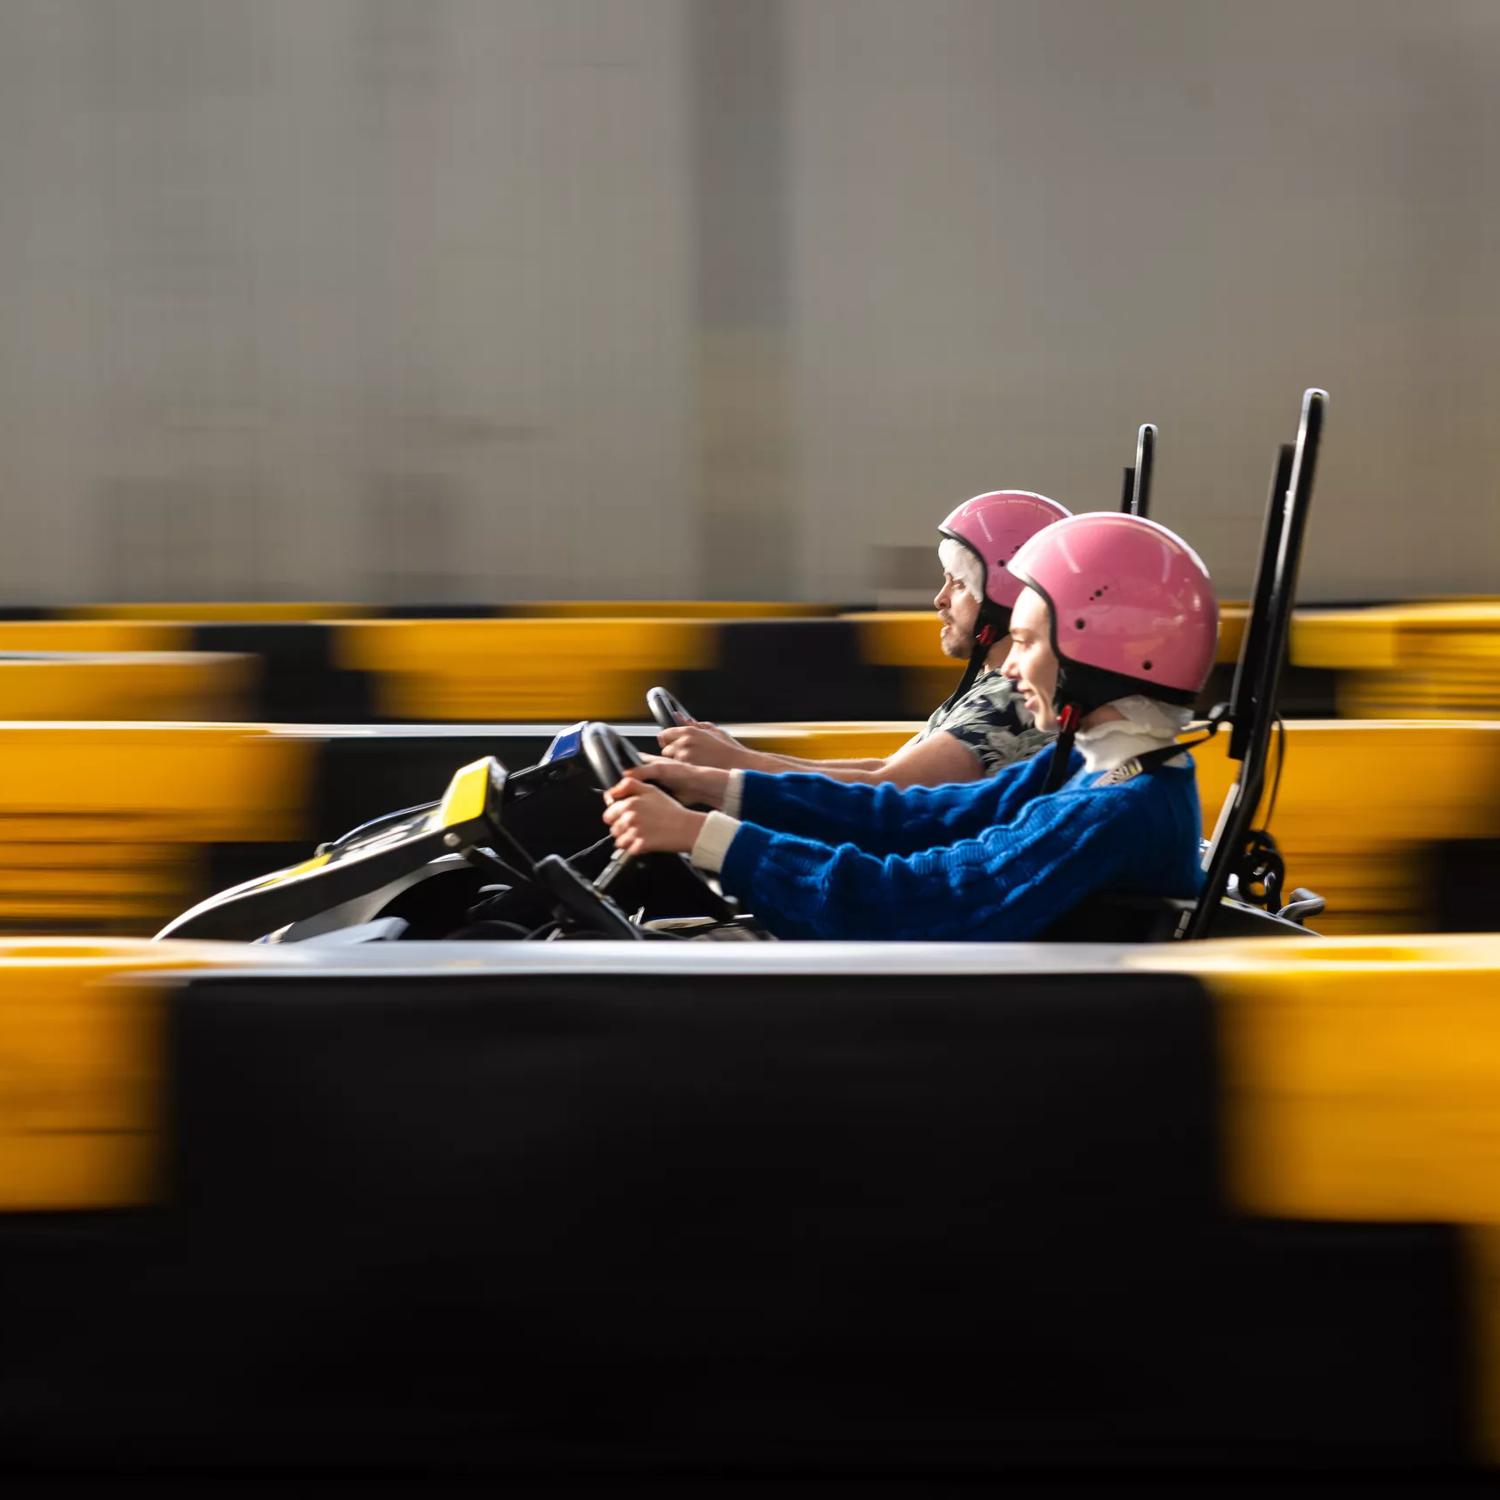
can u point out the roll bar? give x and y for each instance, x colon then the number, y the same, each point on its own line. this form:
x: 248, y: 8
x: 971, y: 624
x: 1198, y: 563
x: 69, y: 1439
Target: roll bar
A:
x: 1244, y: 695
x: 1135, y: 500
x: 1251, y: 710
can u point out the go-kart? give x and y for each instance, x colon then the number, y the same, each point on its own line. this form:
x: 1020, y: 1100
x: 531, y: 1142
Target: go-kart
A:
x: 497, y: 857
x: 457, y: 867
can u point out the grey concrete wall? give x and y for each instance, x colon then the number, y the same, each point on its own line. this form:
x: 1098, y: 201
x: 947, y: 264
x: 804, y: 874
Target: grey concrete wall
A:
x: 1023, y: 228
x: 409, y: 299
x: 319, y: 298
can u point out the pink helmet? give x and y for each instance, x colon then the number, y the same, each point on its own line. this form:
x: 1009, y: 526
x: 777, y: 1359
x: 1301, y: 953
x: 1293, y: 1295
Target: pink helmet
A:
x: 1133, y: 608
x: 992, y: 526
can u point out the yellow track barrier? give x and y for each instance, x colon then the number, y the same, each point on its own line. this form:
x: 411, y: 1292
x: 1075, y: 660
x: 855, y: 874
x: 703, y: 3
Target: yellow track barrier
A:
x: 1362, y: 1078
x: 144, y: 685
x: 1359, y: 801
x: 851, y: 741
x: 109, y: 637
x: 104, y: 826
x: 1361, y: 1082
x: 81, y: 1061
x: 1434, y: 661
x: 908, y: 639
x: 518, y: 670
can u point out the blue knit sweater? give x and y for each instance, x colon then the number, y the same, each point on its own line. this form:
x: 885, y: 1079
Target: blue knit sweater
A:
x: 984, y: 861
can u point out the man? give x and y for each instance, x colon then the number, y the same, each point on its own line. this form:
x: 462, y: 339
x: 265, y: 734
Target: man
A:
x: 1110, y: 642
x: 982, y: 726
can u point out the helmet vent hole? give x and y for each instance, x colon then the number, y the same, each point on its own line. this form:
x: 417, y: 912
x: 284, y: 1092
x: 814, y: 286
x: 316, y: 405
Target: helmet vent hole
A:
x: 1078, y: 624
x: 1146, y: 666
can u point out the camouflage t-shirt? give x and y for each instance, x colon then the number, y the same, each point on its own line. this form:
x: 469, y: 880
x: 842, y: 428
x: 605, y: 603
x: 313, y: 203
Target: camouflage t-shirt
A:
x: 990, y: 722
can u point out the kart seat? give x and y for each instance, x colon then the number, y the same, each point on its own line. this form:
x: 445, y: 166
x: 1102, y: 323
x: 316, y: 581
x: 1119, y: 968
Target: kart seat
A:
x: 1119, y: 918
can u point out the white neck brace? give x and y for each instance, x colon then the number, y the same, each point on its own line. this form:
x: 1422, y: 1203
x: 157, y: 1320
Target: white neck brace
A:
x: 1147, y: 724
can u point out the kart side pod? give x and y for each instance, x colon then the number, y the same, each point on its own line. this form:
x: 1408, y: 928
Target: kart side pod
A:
x: 469, y: 814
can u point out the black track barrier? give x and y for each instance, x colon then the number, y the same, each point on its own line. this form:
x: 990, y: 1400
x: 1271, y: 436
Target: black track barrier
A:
x: 1462, y: 880
x: 562, y: 1216
x: 789, y: 670
x: 299, y: 681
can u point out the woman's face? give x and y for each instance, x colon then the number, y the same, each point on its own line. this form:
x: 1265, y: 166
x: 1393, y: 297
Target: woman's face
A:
x: 958, y: 609
x: 1030, y: 662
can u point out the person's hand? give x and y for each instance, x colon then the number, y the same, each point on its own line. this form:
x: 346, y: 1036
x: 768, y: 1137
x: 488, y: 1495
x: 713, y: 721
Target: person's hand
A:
x: 645, y: 820
x: 703, y: 744
x: 701, y: 786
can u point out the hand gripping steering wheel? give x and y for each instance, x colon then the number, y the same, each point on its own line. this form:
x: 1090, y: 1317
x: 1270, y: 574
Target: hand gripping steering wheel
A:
x: 608, y: 753
x: 666, y: 710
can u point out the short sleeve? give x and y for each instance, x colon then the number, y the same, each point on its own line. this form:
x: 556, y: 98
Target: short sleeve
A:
x: 990, y: 722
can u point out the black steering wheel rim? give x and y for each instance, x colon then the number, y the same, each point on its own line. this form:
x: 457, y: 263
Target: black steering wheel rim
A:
x: 666, y: 709
x: 608, y: 753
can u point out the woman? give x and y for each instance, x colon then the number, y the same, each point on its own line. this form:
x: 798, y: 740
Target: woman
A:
x: 1111, y: 640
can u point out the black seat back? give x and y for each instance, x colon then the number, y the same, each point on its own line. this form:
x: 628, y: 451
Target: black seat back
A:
x: 1252, y: 707
x: 1251, y: 713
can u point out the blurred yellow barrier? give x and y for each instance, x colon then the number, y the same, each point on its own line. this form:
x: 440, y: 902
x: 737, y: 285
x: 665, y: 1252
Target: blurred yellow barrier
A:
x: 143, y: 685
x: 1359, y: 801
x: 1432, y: 661
x: 1361, y: 1082
x: 103, y: 636
x: 900, y: 638
x: 1232, y: 619
x: 909, y: 639
x: 861, y: 741
x: 1361, y: 1078
x: 200, y: 782
x: 501, y: 670
x: 250, y: 613
x: 103, y: 826
x: 80, y: 1068
x: 668, y: 609
x: 106, y: 827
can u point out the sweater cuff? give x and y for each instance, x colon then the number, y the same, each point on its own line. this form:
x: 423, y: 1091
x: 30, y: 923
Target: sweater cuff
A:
x: 733, y: 794
x: 711, y: 847
x: 743, y: 858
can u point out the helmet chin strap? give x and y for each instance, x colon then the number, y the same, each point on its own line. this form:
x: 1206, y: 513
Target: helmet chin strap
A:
x: 1069, y: 717
x: 984, y: 638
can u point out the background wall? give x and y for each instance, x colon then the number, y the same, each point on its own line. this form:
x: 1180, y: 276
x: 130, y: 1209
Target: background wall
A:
x: 486, y: 299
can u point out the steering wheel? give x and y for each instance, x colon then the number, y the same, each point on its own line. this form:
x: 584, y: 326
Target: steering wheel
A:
x: 666, y: 710
x: 608, y: 753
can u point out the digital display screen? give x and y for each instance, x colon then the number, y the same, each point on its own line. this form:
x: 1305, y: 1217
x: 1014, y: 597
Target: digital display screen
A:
x: 566, y: 745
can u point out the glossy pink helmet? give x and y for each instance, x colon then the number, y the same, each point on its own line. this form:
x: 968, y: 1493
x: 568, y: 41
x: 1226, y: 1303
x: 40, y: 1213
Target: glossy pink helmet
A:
x: 993, y: 526
x: 1133, y: 608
